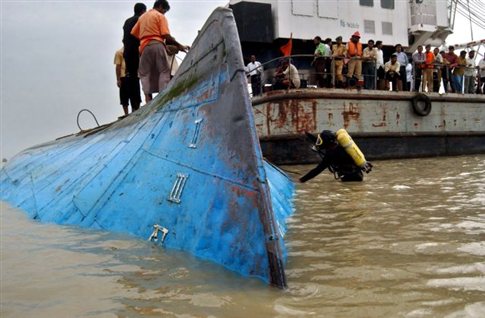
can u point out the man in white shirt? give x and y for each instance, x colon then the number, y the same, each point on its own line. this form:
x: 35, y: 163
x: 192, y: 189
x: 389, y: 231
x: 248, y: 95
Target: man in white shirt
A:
x: 254, y: 70
x: 418, y: 61
x: 380, y: 66
x: 369, y: 58
x: 437, y: 71
x: 288, y: 75
x: 470, y: 73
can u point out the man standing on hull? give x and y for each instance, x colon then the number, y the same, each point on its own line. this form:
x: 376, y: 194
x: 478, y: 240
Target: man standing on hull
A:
x: 132, y: 57
x: 153, y: 32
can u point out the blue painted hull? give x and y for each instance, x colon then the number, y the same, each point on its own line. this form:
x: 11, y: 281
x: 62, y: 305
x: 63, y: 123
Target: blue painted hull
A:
x: 190, y: 162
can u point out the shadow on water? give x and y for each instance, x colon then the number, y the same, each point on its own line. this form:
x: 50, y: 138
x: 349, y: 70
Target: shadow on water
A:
x: 409, y: 241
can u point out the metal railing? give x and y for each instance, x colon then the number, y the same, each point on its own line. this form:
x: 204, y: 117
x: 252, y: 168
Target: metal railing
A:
x: 271, y: 67
x: 442, y: 75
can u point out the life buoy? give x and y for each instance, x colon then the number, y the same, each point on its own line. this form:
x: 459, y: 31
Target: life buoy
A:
x: 418, y: 107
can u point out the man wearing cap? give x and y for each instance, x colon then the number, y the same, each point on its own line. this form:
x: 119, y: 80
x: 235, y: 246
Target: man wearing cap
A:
x: 354, y: 53
x: 153, y: 32
x: 335, y: 158
x: 339, y: 51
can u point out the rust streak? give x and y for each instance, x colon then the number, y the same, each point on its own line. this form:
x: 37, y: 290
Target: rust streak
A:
x: 352, y: 113
x: 383, y: 121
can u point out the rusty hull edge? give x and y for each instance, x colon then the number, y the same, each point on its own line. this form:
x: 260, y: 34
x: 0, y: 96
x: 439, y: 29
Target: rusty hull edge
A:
x: 291, y: 149
x: 278, y: 95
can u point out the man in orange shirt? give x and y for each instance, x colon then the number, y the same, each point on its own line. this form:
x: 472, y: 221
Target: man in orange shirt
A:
x: 153, y: 32
x: 428, y: 69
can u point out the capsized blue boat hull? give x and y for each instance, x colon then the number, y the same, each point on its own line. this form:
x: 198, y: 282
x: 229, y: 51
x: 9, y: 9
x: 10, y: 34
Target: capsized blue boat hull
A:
x: 189, y: 162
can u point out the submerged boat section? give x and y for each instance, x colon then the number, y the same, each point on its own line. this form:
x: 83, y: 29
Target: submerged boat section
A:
x: 185, y: 171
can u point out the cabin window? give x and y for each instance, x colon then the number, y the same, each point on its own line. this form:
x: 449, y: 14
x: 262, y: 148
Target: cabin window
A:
x: 328, y: 9
x: 387, y: 4
x: 305, y: 8
x: 367, y: 3
x: 387, y: 28
x: 369, y: 27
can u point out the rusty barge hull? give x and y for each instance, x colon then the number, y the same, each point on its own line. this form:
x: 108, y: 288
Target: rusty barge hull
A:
x: 384, y: 124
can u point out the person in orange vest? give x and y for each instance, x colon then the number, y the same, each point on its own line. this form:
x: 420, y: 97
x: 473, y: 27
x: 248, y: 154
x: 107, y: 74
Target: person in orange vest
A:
x: 428, y: 69
x: 354, y: 54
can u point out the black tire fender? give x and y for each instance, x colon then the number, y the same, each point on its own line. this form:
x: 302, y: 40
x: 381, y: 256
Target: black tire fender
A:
x: 417, y: 102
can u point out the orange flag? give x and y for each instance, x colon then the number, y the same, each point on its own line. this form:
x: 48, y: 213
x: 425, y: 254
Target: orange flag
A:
x: 286, y: 49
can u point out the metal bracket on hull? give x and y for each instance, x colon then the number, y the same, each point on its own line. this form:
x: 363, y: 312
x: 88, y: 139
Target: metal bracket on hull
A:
x: 177, y: 188
x: 154, y: 236
x: 195, y: 138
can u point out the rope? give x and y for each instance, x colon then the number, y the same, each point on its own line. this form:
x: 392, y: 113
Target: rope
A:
x: 85, y: 110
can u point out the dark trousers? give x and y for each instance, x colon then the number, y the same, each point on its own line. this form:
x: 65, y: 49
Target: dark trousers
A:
x: 319, y: 65
x: 418, y: 72
x: 402, y: 71
x: 369, y: 71
x: 393, y: 77
x: 256, y: 84
x: 436, y: 83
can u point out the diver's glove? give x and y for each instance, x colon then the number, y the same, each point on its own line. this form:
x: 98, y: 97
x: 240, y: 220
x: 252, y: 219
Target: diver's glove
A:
x: 367, y: 167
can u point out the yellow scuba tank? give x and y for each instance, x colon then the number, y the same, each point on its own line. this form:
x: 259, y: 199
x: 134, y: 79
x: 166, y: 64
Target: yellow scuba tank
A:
x: 344, y: 140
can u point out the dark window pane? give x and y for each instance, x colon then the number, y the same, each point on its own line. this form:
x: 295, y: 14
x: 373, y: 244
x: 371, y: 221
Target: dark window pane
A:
x: 367, y: 3
x: 387, y: 4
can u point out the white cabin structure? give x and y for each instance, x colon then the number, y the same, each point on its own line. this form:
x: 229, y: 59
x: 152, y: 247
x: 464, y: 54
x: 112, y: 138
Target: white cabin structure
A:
x: 408, y: 22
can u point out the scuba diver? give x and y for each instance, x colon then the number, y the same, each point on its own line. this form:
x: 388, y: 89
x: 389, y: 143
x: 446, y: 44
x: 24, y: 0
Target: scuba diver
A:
x: 339, y: 154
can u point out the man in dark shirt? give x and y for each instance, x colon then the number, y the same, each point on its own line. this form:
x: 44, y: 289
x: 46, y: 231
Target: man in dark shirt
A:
x: 335, y: 158
x: 132, y: 55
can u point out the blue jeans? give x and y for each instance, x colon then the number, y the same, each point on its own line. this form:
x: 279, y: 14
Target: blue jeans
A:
x: 458, y: 83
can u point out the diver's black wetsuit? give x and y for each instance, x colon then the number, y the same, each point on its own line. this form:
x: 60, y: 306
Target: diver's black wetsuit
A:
x: 339, y: 163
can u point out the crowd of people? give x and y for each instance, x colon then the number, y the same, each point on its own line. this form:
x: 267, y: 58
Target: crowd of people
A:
x: 147, y: 55
x: 351, y: 64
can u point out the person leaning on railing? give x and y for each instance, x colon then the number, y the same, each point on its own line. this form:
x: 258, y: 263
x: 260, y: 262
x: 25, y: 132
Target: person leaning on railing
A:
x: 458, y: 72
x: 451, y: 61
x: 444, y: 71
x: 437, y: 70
